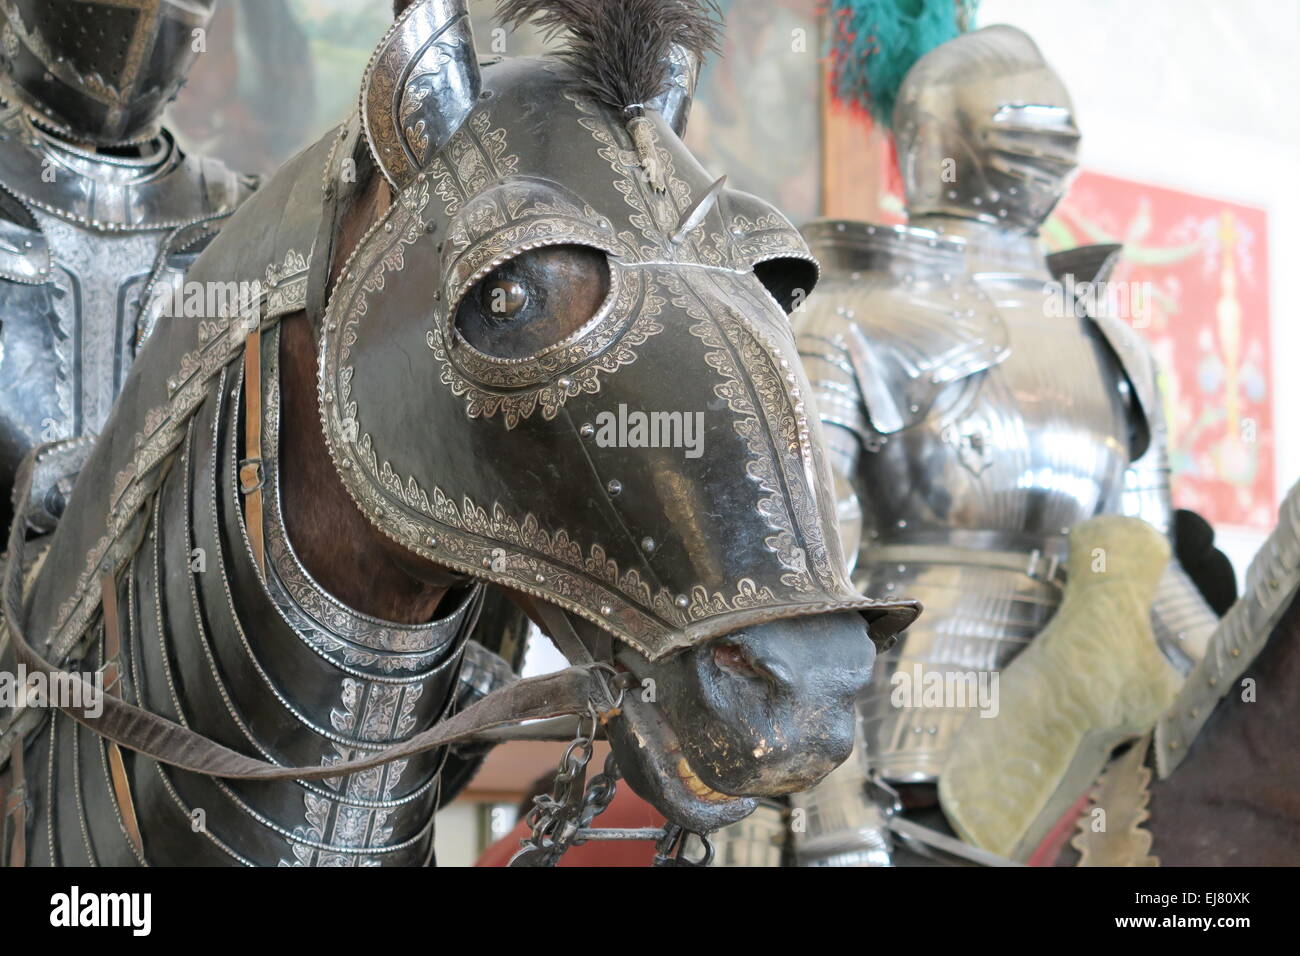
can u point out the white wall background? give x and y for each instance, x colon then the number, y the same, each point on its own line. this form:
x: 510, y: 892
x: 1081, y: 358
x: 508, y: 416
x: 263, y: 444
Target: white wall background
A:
x: 1204, y: 96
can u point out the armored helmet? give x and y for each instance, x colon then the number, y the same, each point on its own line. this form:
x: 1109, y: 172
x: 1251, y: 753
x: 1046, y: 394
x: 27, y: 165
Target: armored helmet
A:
x: 986, y: 131
x: 101, y: 71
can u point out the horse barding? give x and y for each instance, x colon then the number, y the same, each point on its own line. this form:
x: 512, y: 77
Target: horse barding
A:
x: 537, y: 247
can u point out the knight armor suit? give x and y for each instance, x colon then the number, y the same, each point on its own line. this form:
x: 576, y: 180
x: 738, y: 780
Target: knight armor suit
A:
x: 101, y: 214
x: 974, y: 410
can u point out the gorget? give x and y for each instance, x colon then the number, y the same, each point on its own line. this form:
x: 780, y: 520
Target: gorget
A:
x: 159, y: 190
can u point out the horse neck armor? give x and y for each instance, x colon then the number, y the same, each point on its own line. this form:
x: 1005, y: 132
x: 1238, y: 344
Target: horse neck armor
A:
x: 273, y: 666
x: 210, y: 641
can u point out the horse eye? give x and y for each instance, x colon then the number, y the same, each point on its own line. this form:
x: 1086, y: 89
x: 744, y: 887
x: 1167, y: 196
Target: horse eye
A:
x: 534, y: 301
x: 504, y: 298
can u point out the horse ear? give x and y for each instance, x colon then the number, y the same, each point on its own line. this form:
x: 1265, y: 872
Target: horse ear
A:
x: 421, y: 84
x: 674, y: 103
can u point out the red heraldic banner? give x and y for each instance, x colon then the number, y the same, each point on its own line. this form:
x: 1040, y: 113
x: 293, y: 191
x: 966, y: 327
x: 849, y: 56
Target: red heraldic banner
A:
x: 1194, y: 282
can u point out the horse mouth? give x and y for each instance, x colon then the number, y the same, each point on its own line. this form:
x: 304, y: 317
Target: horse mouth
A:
x: 653, y: 762
x: 697, y: 786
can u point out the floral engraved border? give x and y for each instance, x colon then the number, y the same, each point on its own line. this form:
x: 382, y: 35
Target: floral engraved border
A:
x: 608, y: 346
x: 474, y: 158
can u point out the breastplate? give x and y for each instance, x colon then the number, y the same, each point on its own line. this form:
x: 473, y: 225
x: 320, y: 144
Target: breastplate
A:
x: 995, y: 420
x: 1014, y: 454
x: 89, y: 241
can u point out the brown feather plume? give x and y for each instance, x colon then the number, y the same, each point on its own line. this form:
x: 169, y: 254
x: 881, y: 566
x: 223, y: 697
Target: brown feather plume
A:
x: 619, y: 49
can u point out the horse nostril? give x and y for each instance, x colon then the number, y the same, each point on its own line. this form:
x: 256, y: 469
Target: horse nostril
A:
x: 733, y: 659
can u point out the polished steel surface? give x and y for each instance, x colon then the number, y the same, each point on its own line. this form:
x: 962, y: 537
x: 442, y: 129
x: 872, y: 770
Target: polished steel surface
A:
x: 843, y: 822
x: 990, y: 422
x: 976, y: 411
x: 985, y: 131
x: 421, y: 84
x: 975, y: 414
x: 757, y: 840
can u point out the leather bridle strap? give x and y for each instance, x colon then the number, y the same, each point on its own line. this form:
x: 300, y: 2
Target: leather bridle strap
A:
x: 575, y: 649
x: 251, y: 473
x: 552, y: 695
x: 112, y: 673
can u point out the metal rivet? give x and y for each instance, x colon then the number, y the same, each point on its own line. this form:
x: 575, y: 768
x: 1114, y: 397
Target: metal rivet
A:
x: 682, y: 602
x: 586, y: 431
x: 606, y: 610
x: 648, y: 545
x: 614, y: 487
x: 432, y: 542
x: 540, y: 579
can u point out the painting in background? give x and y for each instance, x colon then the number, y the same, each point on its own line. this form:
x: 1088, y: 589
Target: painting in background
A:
x: 860, y: 178
x: 757, y: 117
x: 279, y: 73
x: 1201, y: 265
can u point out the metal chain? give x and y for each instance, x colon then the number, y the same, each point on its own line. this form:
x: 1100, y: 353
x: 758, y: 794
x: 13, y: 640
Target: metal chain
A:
x: 555, y: 817
x: 562, y: 819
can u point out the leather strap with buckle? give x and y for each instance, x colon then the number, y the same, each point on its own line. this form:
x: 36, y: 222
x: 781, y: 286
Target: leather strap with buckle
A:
x: 252, y: 478
x: 112, y: 672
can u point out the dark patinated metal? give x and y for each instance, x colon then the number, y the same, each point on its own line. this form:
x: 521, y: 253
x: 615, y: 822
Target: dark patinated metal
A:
x: 640, y: 556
